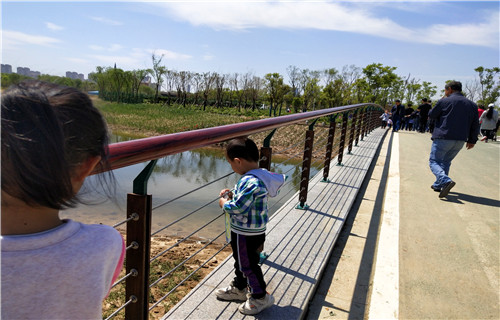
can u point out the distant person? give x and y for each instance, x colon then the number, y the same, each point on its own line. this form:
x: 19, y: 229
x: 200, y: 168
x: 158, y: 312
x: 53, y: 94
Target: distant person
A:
x: 247, y: 207
x: 480, y: 110
x: 456, y: 122
x: 407, y: 117
x: 488, y: 122
x: 52, y: 139
x: 423, y: 110
x: 384, y: 117
x: 397, y: 112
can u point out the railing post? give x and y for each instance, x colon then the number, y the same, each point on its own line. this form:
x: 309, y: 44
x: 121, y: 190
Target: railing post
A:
x: 306, y: 167
x: 266, y: 152
x: 329, y: 148
x: 139, y: 231
x: 363, y: 124
x: 367, y: 121
x: 358, y: 126
x: 343, y: 134
x: 353, y: 128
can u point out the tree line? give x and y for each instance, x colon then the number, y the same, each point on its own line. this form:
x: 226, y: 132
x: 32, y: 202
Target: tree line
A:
x: 304, y: 89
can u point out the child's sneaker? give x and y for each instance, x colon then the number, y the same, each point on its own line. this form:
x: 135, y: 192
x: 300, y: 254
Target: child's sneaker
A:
x: 231, y: 293
x: 254, y: 306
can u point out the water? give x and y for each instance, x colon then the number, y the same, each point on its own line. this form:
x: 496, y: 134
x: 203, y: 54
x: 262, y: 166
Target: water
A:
x: 172, y: 177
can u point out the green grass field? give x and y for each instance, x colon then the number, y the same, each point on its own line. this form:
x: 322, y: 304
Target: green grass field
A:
x: 143, y: 120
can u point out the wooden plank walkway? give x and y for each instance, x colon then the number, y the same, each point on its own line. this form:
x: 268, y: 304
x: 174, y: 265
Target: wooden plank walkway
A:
x: 299, y: 242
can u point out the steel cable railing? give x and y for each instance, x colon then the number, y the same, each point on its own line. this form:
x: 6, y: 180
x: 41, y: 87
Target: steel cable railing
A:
x: 186, y: 278
x: 192, y: 191
x: 186, y: 260
x: 186, y: 237
x: 185, y: 216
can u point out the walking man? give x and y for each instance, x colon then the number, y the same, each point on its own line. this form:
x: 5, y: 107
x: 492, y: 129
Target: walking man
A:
x: 397, y: 111
x: 424, y: 113
x: 456, y: 123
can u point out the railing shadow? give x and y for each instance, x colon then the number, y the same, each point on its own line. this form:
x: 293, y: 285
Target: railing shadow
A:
x: 358, y: 305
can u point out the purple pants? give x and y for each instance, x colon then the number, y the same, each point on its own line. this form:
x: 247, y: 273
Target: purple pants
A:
x: 246, y: 263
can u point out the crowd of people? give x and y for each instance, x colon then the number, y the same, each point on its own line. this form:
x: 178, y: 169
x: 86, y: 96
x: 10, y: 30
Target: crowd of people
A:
x: 453, y: 122
x: 398, y: 117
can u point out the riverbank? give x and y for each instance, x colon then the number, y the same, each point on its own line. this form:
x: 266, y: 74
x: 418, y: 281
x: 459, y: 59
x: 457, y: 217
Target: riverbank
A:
x: 163, y: 265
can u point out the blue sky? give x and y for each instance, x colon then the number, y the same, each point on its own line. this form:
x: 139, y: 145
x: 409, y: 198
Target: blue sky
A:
x: 430, y: 40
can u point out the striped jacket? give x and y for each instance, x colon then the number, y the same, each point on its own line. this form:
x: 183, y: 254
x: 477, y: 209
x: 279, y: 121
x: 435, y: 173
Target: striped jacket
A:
x: 248, y: 208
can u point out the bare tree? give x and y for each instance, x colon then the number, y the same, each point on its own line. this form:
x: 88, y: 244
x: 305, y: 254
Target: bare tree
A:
x: 233, y: 83
x: 293, y: 73
x: 158, y: 73
x: 196, y: 81
x: 255, y: 89
x: 220, y: 81
x: 207, y: 84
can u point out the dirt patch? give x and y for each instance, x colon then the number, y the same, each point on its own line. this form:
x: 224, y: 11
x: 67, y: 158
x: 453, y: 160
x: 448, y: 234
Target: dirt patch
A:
x: 193, y: 257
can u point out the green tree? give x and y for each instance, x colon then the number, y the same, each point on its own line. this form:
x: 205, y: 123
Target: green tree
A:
x: 274, y: 83
x: 379, y: 80
x: 490, y: 84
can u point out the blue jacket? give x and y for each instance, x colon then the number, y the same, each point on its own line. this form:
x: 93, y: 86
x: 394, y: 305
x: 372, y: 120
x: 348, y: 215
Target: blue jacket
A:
x: 456, y: 119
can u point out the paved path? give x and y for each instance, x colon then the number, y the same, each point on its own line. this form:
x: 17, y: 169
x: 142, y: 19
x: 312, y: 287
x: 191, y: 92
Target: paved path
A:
x: 448, y: 249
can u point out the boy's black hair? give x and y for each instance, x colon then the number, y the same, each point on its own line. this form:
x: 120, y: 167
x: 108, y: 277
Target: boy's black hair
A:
x: 243, y: 148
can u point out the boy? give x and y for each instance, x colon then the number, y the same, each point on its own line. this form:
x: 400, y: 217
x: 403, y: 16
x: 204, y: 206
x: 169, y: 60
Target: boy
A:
x: 247, y: 208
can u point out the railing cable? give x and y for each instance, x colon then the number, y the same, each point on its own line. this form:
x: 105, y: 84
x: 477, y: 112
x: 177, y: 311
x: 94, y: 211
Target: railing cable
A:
x: 185, y: 279
x: 194, y: 190
x: 184, y: 217
x: 186, y: 237
x: 186, y: 260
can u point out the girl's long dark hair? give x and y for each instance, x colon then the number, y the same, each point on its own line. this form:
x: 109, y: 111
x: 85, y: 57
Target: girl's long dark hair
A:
x: 47, y: 131
x: 489, y: 113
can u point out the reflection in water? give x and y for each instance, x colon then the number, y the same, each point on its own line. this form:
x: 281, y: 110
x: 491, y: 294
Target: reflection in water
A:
x: 172, y: 177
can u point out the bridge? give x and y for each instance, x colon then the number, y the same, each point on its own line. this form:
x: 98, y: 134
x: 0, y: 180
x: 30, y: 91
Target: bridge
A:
x: 370, y: 239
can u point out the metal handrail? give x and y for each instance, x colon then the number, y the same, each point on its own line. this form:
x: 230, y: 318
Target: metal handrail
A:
x: 127, y: 153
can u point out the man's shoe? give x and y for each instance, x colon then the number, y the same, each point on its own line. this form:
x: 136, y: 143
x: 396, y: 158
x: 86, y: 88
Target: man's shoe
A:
x: 254, y: 306
x: 446, y: 189
x: 435, y: 188
x: 231, y: 293
x: 484, y: 138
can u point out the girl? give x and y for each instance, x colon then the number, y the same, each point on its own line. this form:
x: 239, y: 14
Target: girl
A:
x: 52, y: 139
x: 488, y: 122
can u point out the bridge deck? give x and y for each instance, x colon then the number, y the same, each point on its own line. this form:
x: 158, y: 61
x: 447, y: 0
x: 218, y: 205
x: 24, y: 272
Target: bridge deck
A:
x: 299, y: 243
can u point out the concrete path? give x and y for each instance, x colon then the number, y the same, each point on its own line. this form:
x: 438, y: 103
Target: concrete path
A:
x: 448, y: 249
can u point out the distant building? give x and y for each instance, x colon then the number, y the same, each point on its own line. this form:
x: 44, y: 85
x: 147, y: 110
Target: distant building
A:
x: 75, y: 75
x: 6, y: 68
x: 24, y: 71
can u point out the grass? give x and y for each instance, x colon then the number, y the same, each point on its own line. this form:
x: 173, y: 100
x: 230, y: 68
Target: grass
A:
x: 144, y: 120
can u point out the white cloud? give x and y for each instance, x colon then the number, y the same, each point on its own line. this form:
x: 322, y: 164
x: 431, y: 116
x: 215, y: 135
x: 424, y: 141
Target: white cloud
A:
x: 112, y: 48
x: 482, y: 34
x: 119, y: 60
x: 12, y: 39
x: 107, y: 21
x: 324, y: 15
x: 208, y: 57
x: 53, y: 26
x: 170, y: 55
x: 77, y: 60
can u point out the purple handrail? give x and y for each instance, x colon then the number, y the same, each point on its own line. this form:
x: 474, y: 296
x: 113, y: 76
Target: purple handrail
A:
x: 123, y: 154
